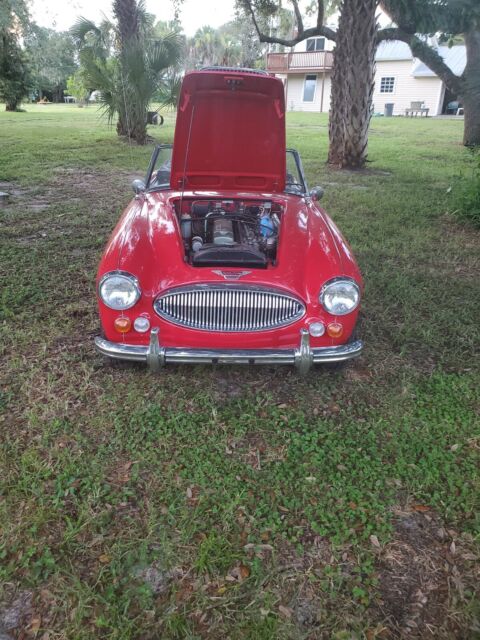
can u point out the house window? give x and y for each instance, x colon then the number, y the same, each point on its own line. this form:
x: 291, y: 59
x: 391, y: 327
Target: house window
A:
x: 309, y: 88
x: 387, y: 84
x: 316, y: 44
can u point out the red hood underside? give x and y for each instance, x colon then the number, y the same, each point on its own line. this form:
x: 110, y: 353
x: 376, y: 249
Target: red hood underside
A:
x: 230, y: 132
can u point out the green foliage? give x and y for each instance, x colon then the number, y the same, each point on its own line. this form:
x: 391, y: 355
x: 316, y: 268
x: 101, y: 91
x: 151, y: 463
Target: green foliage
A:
x: 14, y: 72
x: 128, y: 76
x: 52, y: 55
x: 430, y: 16
x: 467, y: 191
x: 168, y: 91
x: 77, y: 86
x: 13, y: 13
x: 14, y: 67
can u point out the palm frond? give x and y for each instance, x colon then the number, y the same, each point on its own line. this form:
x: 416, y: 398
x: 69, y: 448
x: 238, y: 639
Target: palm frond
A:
x: 169, y: 90
x: 82, y: 27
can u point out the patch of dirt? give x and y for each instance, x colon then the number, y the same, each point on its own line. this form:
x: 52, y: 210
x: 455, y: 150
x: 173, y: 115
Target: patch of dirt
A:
x: 421, y: 572
x: 159, y: 580
x: 79, y: 185
x: 16, y: 613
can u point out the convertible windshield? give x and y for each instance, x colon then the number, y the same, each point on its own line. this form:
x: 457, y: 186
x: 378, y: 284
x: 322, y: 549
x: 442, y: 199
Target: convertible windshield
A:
x: 160, y: 167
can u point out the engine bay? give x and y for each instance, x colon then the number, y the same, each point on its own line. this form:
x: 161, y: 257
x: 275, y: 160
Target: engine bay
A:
x: 229, y: 233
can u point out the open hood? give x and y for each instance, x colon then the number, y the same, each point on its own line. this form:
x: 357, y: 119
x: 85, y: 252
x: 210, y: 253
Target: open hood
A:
x: 230, y: 132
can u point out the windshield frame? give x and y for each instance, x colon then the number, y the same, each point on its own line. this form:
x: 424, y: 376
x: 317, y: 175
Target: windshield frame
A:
x: 151, y: 168
x: 301, y: 175
x: 158, y: 148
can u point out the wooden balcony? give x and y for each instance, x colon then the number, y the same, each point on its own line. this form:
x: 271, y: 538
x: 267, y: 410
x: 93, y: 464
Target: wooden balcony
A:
x: 301, y: 61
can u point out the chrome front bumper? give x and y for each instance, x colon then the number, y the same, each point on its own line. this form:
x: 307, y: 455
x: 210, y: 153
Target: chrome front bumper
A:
x: 156, y: 356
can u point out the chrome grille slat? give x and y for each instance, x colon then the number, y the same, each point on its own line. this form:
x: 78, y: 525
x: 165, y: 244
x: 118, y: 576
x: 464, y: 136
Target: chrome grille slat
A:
x: 229, y: 308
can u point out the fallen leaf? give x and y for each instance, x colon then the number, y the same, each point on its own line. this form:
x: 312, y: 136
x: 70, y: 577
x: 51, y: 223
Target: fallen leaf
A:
x: 453, y: 548
x: 35, y: 625
x: 105, y: 558
x: 244, y: 571
x: 420, y: 507
x: 374, y: 540
x: 239, y: 573
x: 454, y: 447
x: 441, y: 533
x: 189, y: 492
x: 285, y: 611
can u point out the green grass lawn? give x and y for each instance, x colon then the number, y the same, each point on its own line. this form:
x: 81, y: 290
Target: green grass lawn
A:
x: 210, y: 502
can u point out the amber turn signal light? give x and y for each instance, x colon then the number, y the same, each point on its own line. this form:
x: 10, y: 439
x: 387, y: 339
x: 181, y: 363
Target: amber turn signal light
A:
x: 122, y: 325
x: 335, y: 329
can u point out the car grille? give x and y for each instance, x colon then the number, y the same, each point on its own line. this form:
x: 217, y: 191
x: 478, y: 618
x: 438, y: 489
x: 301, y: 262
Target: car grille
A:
x: 229, y: 308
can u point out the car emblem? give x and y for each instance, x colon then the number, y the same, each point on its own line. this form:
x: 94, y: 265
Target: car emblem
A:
x: 231, y: 275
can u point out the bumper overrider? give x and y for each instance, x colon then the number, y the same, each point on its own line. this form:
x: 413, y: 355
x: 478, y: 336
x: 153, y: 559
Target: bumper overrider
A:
x: 156, y: 356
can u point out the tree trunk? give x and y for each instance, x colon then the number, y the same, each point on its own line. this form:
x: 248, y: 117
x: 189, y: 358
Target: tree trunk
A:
x: 352, y: 84
x: 471, y: 92
x: 139, y: 132
x: 134, y: 127
x: 126, y: 13
x: 122, y: 129
x: 12, y: 105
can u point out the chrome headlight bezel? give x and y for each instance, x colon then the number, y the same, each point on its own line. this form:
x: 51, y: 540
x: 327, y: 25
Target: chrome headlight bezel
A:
x: 125, y: 277
x: 326, y: 289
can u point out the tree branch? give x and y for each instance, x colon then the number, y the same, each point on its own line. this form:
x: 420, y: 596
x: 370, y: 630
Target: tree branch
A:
x: 320, y: 13
x: 302, y: 34
x: 298, y: 17
x: 426, y: 54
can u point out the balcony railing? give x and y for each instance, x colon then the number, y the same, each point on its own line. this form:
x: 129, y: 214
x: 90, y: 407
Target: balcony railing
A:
x: 301, y: 61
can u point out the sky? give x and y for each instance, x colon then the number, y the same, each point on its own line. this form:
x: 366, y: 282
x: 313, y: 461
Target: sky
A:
x: 61, y: 14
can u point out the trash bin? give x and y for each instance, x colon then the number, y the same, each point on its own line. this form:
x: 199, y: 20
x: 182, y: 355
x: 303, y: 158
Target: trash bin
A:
x: 388, y: 111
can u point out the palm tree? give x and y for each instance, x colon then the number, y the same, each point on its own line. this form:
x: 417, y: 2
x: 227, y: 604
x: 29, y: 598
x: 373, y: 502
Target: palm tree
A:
x: 353, y: 70
x: 127, y: 64
x: 206, y: 47
x: 353, y: 77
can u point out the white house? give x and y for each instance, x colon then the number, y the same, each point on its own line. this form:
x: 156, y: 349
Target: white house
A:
x: 400, y: 79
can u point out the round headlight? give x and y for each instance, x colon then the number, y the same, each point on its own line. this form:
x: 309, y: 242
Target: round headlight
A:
x: 340, y: 296
x: 119, y: 290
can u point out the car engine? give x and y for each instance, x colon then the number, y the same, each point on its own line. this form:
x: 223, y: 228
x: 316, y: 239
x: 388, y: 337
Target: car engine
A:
x: 230, y: 233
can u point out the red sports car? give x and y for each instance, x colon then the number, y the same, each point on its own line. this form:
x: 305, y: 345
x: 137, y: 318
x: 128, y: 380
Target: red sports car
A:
x: 224, y: 255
